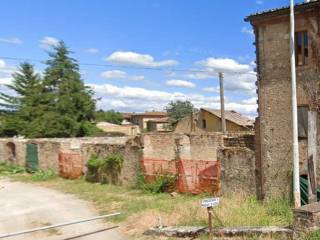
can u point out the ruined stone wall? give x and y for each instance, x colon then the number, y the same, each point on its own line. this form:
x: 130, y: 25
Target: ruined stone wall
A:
x: 129, y: 149
x: 6, y: 154
x: 238, y: 167
x: 196, y: 160
x: 275, y: 112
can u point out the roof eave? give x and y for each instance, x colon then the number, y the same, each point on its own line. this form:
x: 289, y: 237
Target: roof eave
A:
x: 282, y: 11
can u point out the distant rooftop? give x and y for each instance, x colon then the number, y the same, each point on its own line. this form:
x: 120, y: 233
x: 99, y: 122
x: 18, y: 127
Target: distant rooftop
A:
x: 232, y: 116
x: 152, y: 113
x: 283, y: 10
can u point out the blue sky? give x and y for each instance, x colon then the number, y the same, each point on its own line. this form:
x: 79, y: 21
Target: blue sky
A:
x: 129, y: 36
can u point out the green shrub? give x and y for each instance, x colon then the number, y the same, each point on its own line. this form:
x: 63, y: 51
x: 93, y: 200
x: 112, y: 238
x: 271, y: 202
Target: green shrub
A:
x: 93, y: 165
x: 89, y: 129
x: 162, y: 183
x: 104, y: 170
x: 9, y: 169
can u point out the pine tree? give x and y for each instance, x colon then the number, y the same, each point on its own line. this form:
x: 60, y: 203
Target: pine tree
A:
x: 70, y: 106
x: 23, y: 103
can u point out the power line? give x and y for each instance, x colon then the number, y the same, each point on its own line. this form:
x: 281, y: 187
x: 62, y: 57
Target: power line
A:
x: 130, y: 67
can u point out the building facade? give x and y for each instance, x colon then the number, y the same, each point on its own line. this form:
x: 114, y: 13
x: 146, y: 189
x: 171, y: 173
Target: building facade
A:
x: 209, y: 120
x: 274, y: 122
x: 141, y: 119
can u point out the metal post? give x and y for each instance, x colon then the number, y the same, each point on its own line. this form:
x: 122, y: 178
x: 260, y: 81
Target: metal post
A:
x: 296, y: 174
x: 223, y: 119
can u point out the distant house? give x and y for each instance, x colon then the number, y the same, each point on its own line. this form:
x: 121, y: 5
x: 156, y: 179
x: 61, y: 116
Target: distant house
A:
x: 126, y: 118
x: 209, y: 120
x: 127, y: 129
x: 159, y: 125
x: 141, y: 119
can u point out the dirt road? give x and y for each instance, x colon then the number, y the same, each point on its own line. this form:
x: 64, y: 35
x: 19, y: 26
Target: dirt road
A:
x: 25, y: 206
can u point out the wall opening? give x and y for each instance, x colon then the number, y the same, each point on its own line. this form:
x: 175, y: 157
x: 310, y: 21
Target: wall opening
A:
x: 11, y: 147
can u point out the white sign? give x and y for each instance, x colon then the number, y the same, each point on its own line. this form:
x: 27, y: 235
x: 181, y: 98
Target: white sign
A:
x: 210, y: 202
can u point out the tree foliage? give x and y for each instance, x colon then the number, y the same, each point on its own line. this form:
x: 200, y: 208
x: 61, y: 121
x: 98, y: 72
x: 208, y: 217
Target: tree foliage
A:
x: 179, y: 109
x: 59, y: 105
x: 110, y: 116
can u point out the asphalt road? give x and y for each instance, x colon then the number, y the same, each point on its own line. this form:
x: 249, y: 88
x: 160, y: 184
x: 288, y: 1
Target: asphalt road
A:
x: 25, y: 206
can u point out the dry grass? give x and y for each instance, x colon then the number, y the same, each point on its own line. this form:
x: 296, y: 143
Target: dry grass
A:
x: 142, y: 210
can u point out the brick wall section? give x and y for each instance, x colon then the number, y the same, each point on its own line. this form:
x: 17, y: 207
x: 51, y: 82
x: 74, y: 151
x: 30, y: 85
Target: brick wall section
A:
x: 240, y: 140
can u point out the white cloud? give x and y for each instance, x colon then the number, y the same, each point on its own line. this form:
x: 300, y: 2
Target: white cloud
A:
x: 133, y: 58
x: 48, y: 42
x: 140, y: 99
x: 13, y: 40
x: 137, y: 78
x: 260, y: 2
x: 247, y: 31
x: 5, y: 80
x: 2, y: 63
x: 201, y: 75
x: 114, y: 74
x: 225, y: 65
x: 92, y: 50
x: 239, y: 78
x: 211, y: 89
x: 118, y: 74
x: 180, y: 83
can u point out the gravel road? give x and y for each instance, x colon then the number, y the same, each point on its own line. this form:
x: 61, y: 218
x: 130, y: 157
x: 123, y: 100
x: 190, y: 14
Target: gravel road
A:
x: 25, y: 206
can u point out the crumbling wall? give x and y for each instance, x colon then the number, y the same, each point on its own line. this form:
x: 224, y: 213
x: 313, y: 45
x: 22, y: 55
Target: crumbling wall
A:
x: 192, y: 158
x: 128, y: 148
x: 6, y: 155
x: 238, y: 166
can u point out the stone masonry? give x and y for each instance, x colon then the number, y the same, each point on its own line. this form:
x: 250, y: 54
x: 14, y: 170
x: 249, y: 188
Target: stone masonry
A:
x: 274, y: 93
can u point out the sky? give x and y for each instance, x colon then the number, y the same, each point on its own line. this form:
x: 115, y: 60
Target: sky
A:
x: 138, y: 55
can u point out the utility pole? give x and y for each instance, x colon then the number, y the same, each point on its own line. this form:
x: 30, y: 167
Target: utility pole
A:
x: 223, y: 119
x: 296, y: 172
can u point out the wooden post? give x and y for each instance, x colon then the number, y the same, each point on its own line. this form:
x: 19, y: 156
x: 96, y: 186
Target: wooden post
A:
x: 312, y: 156
x: 209, y: 209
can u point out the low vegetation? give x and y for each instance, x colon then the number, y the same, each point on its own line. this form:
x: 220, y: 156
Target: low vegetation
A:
x: 161, y: 183
x: 104, y: 170
x: 142, y: 209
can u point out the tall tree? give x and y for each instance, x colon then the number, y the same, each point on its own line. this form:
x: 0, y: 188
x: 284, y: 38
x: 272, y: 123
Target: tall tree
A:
x: 70, y: 106
x: 179, y: 109
x: 25, y: 101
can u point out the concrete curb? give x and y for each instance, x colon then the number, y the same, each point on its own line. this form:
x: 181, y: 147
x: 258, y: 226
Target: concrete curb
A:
x: 184, y: 232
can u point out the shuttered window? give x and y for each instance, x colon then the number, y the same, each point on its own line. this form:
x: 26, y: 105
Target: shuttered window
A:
x: 302, y: 122
x: 302, y: 48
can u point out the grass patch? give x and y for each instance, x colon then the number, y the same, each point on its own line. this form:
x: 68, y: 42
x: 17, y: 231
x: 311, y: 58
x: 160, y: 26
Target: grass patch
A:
x: 8, y: 169
x: 141, y: 210
x: 314, y: 236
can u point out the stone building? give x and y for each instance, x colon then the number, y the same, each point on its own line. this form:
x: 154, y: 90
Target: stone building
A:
x: 209, y: 120
x: 159, y: 125
x: 274, y: 122
x: 142, y: 119
x: 128, y: 129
